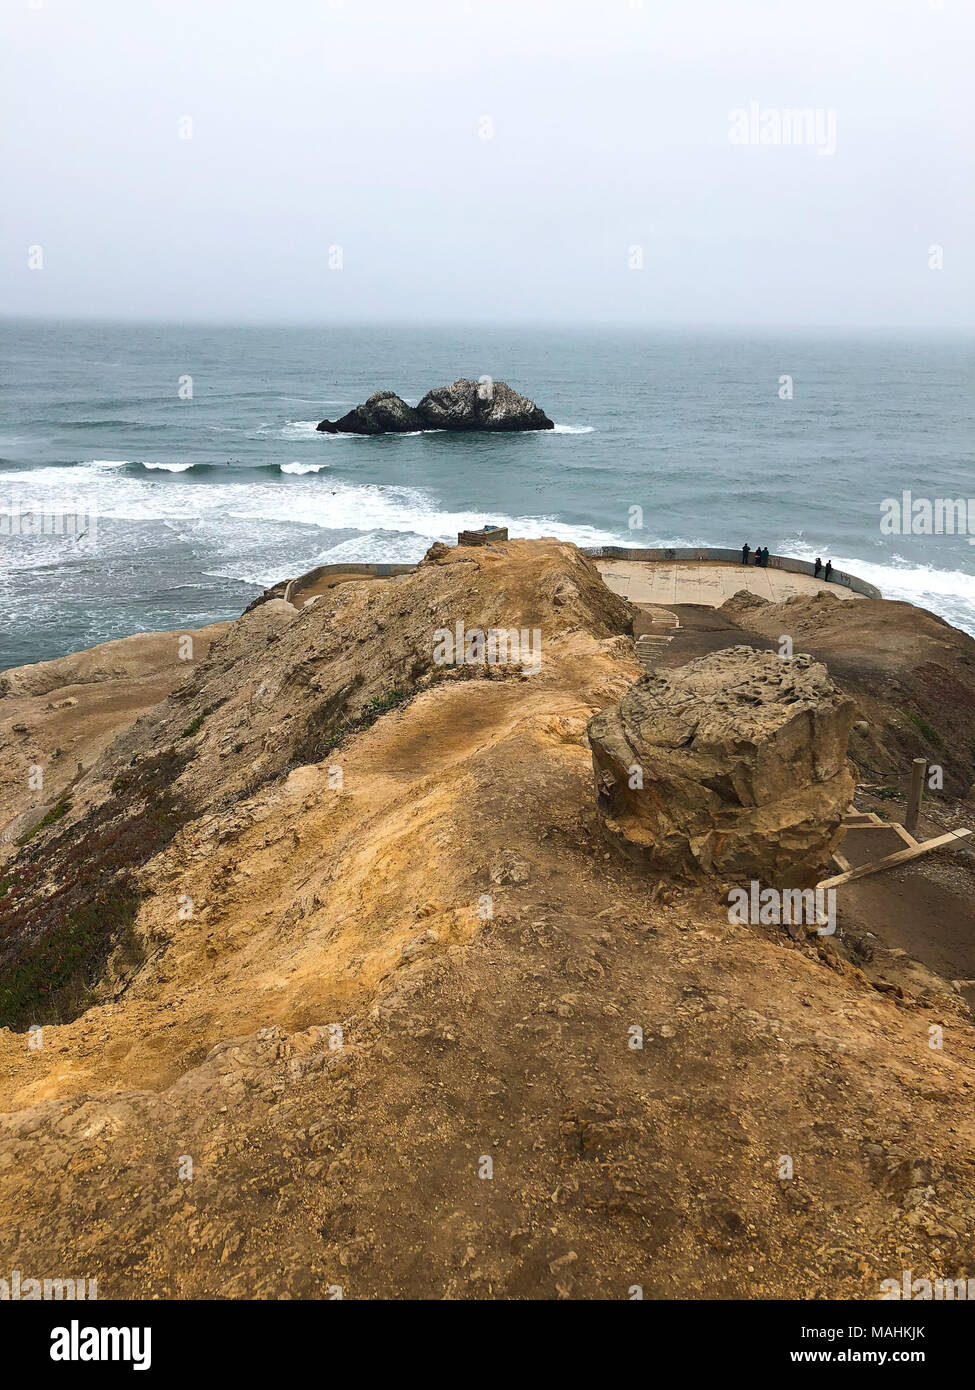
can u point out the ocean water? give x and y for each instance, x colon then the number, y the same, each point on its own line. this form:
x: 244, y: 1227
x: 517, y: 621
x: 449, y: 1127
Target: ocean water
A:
x: 201, y: 502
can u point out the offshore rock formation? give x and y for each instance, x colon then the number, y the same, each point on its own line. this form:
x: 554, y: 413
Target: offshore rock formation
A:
x: 464, y: 405
x: 383, y: 413
x: 472, y: 405
x: 734, y: 763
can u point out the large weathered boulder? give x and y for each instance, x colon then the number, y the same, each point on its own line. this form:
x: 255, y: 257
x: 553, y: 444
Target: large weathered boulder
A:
x: 734, y: 764
x: 480, y: 405
x: 464, y: 405
x: 383, y: 413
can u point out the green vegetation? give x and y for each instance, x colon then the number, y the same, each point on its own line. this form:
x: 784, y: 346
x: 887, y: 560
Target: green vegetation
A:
x: 54, y: 814
x: 925, y: 728
x: 375, y: 709
x: 49, y: 984
x: 131, y: 944
x: 68, y: 904
x: 194, y: 725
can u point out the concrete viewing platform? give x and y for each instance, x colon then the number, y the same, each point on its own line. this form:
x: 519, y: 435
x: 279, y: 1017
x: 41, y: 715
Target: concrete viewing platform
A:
x: 708, y: 582
x: 710, y: 577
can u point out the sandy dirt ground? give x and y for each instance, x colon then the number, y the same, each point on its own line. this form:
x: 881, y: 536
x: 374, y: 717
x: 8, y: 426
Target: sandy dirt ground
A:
x: 59, y: 715
x: 707, y: 582
x: 390, y: 1015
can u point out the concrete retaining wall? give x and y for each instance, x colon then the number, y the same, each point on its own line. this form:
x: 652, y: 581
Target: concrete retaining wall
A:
x: 375, y: 571
x: 378, y: 571
x: 728, y: 557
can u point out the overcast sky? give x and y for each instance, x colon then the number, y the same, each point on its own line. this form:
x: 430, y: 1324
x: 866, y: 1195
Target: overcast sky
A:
x: 488, y: 159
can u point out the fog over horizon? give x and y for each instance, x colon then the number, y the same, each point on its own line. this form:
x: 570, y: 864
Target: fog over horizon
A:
x: 340, y: 161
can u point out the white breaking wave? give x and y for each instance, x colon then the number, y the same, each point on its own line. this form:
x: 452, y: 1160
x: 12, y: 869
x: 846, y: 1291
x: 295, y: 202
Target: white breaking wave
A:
x: 302, y: 467
x: 573, y: 429
x: 127, y: 463
x: 377, y: 546
x: 371, y: 508
x: 307, y: 502
x: 296, y: 429
x: 264, y: 575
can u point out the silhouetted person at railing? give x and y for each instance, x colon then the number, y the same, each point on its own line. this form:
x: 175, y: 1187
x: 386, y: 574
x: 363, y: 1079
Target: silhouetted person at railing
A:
x: 827, y: 572
x: 765, y: 557
x: 745, y: 552
x: 817, y: 567
x: 757, y: 558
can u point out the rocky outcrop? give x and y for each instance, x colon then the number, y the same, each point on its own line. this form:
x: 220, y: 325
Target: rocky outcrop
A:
x: 480, y: 405
x: 438, y: 551
x: 734, y: 763
x: 383, y: 413
x: 743, y: 602
x: 464, y: 405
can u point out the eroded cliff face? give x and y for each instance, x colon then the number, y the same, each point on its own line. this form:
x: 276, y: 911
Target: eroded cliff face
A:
x: 911, y: 675
x: 58, y: 715
x: 367, y: 934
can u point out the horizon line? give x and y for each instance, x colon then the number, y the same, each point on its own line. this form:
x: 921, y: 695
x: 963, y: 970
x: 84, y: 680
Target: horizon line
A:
x: 662, y: 325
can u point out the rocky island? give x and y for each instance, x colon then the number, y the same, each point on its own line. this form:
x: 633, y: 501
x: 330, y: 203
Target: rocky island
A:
x: 465, y: 405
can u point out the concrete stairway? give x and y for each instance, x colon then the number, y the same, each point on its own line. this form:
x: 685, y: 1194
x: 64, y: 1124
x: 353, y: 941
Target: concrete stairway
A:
x: 664, y: 627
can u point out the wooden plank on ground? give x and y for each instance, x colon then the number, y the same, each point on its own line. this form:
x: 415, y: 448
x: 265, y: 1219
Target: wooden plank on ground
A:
x: 873, y: 825
x: 890, y: 861
x: 905, y: 835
